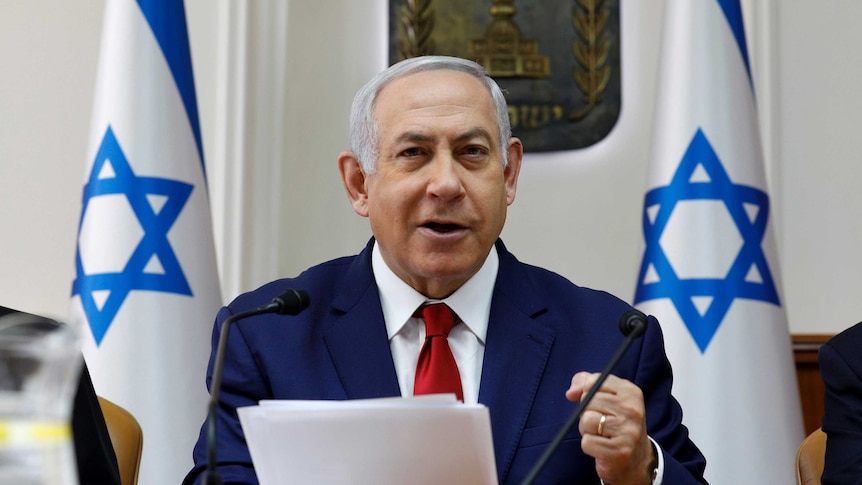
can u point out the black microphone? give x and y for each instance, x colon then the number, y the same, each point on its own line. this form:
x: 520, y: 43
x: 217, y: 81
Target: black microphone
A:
x: 291, y: 302
x: 632, y: 325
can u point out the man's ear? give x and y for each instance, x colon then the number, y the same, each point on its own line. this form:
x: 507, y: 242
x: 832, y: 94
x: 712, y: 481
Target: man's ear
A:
x: 353, y: 178
x: 513, y: 168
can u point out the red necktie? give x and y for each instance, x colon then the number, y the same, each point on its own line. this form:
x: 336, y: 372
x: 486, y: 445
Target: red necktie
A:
x: 436, y: 371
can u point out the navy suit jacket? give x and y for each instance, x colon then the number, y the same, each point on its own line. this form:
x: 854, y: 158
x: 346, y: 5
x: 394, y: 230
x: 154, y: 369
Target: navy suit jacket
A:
x: 542, y: 330
x: 841, y: 369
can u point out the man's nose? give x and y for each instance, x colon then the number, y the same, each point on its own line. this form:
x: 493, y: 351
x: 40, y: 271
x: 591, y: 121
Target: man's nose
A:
x: 445, y: 179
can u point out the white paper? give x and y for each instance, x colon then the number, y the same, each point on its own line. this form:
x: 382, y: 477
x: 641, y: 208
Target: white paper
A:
x: 420, y: 440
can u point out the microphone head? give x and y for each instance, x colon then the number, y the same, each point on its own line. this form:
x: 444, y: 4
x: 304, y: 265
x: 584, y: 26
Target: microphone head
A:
x: 291, y: 302
x: 633, y: 322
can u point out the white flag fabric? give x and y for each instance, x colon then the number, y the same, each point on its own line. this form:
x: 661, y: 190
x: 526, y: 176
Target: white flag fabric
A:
x: 710, y: 269
x: 146, y: 288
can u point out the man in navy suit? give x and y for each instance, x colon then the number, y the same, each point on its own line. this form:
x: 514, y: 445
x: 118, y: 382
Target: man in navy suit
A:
x: 841, y: 368
x: 433, y: 166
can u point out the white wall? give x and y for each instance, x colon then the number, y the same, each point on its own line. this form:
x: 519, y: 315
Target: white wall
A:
x: 820, y: 111
x: 577, y: 212
x: 48, y: 58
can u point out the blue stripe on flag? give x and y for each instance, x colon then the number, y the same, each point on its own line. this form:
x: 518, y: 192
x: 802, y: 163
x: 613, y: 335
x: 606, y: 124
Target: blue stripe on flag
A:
x: 167, y: 19
x: 733, y: 13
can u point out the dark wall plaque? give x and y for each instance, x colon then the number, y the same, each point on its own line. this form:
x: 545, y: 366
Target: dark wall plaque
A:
x: 558, y: 61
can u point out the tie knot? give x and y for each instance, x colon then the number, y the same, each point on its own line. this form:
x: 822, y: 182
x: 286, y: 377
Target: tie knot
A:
x: 439, y: 320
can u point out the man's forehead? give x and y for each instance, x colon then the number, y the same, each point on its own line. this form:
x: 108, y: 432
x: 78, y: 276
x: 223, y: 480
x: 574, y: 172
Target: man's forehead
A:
x: 433, y: 94
x: 439, y: 79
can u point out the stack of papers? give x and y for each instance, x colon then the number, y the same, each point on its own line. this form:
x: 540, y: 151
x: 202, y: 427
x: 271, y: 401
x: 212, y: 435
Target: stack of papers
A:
x: 430, y: 439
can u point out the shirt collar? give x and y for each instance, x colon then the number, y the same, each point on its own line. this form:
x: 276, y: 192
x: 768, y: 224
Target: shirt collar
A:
x: 471, y: 302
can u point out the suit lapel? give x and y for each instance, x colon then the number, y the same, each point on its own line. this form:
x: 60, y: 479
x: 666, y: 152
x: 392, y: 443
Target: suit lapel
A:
x: 357, y: 340
x: 516, y: 352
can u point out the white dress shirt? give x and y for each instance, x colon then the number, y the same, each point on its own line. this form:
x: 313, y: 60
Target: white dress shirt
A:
x: 472, y: 306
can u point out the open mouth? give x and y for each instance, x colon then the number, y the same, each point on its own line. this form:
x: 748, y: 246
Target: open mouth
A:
x: 444, y: 228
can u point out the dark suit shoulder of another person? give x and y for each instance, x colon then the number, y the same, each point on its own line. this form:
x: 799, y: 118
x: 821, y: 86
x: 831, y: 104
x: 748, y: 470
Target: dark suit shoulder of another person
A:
x: 841, y: 368
x: 94, y: 453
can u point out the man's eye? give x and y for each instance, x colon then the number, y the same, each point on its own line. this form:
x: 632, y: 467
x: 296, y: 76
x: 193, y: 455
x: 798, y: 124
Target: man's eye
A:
x: 475, y: 151
x: 411, y: 152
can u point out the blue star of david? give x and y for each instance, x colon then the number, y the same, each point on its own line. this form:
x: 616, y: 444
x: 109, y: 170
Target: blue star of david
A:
x: 154, y: 243
x: 735, y: 284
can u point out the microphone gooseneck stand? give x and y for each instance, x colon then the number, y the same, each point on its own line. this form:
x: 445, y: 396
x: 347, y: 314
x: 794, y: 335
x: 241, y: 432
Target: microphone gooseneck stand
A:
x: 290, y: 302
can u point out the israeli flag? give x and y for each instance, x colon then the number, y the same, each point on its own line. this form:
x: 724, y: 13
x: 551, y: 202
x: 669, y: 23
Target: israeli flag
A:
x: 709, y: 270
x: 146, y: 288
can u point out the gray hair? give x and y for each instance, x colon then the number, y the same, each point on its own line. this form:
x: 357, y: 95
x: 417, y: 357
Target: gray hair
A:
x: 363, y: 128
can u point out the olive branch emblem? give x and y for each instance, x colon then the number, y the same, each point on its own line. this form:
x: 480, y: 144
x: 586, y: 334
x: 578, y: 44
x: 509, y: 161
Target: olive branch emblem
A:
x: 591, y: 47
x: 416, y: 22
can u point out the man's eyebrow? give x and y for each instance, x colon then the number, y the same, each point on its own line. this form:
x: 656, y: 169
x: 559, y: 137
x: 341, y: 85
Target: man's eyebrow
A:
x: 421, y: 137
x: 475, y: 133
x: 414, y: 137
